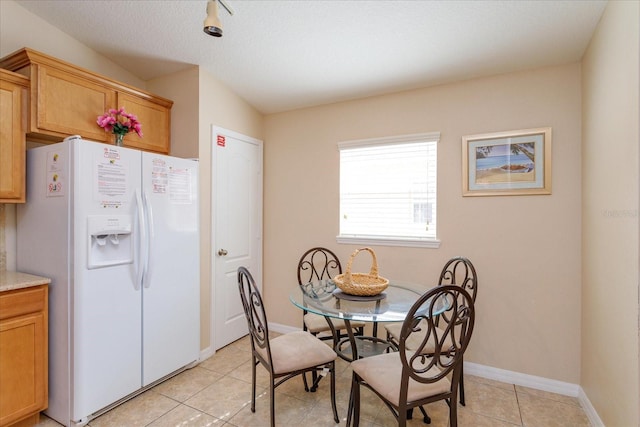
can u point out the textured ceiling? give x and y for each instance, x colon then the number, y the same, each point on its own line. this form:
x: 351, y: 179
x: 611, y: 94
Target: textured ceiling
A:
x: 282, y: 55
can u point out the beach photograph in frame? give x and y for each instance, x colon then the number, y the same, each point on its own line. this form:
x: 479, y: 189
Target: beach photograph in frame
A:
x: 508, y: 163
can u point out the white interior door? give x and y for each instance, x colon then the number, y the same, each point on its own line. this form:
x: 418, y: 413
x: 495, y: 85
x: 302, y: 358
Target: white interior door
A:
x: 236, y: 227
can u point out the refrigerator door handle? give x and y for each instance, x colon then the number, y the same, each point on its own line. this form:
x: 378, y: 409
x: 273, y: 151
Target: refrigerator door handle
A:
x: 143, y: 244
x: 149, y: 217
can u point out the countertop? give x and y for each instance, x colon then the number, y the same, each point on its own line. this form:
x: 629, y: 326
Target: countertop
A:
x: 11, y: 280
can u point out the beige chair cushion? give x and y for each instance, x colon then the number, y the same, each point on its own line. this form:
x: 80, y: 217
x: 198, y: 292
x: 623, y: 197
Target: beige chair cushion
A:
x: 297, y: 350
x: 393, y: 329
x: 383, y: 373
x: 316, y: 323
x: 415, y: 339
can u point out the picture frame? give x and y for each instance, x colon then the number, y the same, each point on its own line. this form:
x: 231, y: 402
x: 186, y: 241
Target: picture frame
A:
x: 511, y: 163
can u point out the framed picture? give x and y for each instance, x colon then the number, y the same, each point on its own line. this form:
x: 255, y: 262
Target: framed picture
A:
x: 507, y: 163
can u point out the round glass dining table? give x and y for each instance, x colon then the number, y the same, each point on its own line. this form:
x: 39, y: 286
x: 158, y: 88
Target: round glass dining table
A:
x: 392, y: 305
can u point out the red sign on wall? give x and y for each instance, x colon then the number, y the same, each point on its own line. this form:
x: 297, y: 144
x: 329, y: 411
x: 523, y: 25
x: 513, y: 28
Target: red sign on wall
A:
x: 221, y: 140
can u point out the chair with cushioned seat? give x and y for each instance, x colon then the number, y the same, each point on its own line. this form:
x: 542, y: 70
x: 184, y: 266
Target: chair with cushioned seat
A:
x: 428, y: 372
x: 285, y: 356
x: 321, y: 264
x: 457, y: 271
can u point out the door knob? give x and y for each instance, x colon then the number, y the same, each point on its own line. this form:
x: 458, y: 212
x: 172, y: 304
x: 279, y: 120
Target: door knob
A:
x: 222, y: 252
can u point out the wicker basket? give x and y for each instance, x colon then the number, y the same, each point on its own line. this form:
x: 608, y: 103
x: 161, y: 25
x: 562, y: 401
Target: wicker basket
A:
x: 362, y: 284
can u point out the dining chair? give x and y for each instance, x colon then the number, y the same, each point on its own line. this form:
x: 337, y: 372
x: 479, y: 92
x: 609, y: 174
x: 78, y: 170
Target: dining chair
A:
x: 430, y: 371
x: 321, y: 264
x: 284, y: 356
x: 457, y: 271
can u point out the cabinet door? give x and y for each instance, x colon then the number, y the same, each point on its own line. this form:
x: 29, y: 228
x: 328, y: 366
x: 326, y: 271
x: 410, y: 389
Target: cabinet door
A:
x: 68, y: 104
x: 23, y: 359
x: 67, y: 100
x: 155, y: 120
x: 13, y: 105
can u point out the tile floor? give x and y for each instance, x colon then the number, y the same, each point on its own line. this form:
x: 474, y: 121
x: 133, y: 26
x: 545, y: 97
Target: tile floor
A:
x: 217, y: 392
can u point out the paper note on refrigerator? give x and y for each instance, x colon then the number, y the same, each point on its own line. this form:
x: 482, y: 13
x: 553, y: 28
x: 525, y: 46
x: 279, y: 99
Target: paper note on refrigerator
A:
x: 180, y: 186
x: 111, y: 181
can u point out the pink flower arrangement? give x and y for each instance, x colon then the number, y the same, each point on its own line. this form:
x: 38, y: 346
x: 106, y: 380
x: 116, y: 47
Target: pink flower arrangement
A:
x: 128, y: 122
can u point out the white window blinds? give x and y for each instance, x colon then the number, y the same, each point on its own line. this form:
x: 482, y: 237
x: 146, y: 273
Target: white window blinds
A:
x: 388, y: 188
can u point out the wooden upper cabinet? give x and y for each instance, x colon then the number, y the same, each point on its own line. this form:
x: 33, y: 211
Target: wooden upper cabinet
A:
x: 66, y: 104
x: 67, y: 100
x: 155, y: 120
x: 13, y: 121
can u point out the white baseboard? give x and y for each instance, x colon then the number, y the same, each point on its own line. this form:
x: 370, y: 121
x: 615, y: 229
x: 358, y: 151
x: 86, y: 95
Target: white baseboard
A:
x: 594, y: 419
x: 538, y: 383
x: 511, y: 377
x: 207, y: 353
x: 283, y: 329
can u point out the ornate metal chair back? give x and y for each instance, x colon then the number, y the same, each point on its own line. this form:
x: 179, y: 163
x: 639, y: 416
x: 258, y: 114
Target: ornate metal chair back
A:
x: 318, y: 264
x: 254, y: 311
x: 446, y: 342
x: 460, y: 271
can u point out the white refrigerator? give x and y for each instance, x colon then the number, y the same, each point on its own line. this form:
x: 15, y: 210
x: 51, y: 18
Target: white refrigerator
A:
x: 116, y: 230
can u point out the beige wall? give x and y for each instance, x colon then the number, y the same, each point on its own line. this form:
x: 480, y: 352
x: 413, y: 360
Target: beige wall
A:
x: 526, y: 248
x: 610, y: 358
x: 183, y: 89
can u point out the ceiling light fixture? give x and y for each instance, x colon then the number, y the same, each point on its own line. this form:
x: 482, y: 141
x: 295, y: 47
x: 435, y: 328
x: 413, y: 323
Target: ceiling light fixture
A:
x: 212, y: 24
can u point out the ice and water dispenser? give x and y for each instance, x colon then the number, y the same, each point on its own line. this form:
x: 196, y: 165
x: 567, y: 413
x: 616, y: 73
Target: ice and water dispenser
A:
x: 110, y: 240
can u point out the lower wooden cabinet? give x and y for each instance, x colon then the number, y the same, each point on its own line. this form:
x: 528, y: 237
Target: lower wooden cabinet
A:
x: 23, y: 354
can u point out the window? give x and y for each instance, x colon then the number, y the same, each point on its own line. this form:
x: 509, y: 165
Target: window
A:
x: 388, y: 191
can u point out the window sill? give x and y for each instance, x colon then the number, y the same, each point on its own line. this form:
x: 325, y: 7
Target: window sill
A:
x: 380, y: 241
